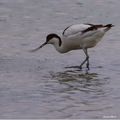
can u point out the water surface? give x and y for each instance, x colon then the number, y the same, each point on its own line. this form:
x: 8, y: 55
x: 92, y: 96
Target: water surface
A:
x: 38, y: 85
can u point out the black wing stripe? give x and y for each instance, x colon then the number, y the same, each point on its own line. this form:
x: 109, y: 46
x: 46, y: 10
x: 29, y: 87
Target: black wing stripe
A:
x: 92, y: 27
x: 66, y: 29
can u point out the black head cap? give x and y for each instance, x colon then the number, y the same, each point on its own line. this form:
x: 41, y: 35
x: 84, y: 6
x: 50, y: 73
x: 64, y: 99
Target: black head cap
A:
x: 53, y: 35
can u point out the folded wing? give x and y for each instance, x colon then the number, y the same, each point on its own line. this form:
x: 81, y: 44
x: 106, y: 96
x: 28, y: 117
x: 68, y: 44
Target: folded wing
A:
x: 84, y: 28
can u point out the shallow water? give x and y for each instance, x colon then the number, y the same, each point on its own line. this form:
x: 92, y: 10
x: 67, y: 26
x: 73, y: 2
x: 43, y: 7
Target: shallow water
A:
x: 38, y: 85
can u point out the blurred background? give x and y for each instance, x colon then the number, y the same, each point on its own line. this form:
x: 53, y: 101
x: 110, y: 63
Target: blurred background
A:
x: 37, y: 85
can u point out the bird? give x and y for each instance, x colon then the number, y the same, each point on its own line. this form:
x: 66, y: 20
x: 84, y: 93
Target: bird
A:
x: 77, y: 36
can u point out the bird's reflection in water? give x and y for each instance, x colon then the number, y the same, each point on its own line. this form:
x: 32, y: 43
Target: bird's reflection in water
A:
x: 84, y: 91
x: 79, y: 80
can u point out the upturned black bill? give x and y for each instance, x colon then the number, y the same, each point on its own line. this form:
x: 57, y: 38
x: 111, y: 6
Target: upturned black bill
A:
x: 34, y: 50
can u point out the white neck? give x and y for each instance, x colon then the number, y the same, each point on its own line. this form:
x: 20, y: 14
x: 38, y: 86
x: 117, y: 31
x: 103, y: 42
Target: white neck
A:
x: 57, y: 45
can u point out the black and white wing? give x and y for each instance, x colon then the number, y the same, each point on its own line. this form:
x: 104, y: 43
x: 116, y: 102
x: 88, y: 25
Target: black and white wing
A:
x: 84, y: 28
x: 75, y: 29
